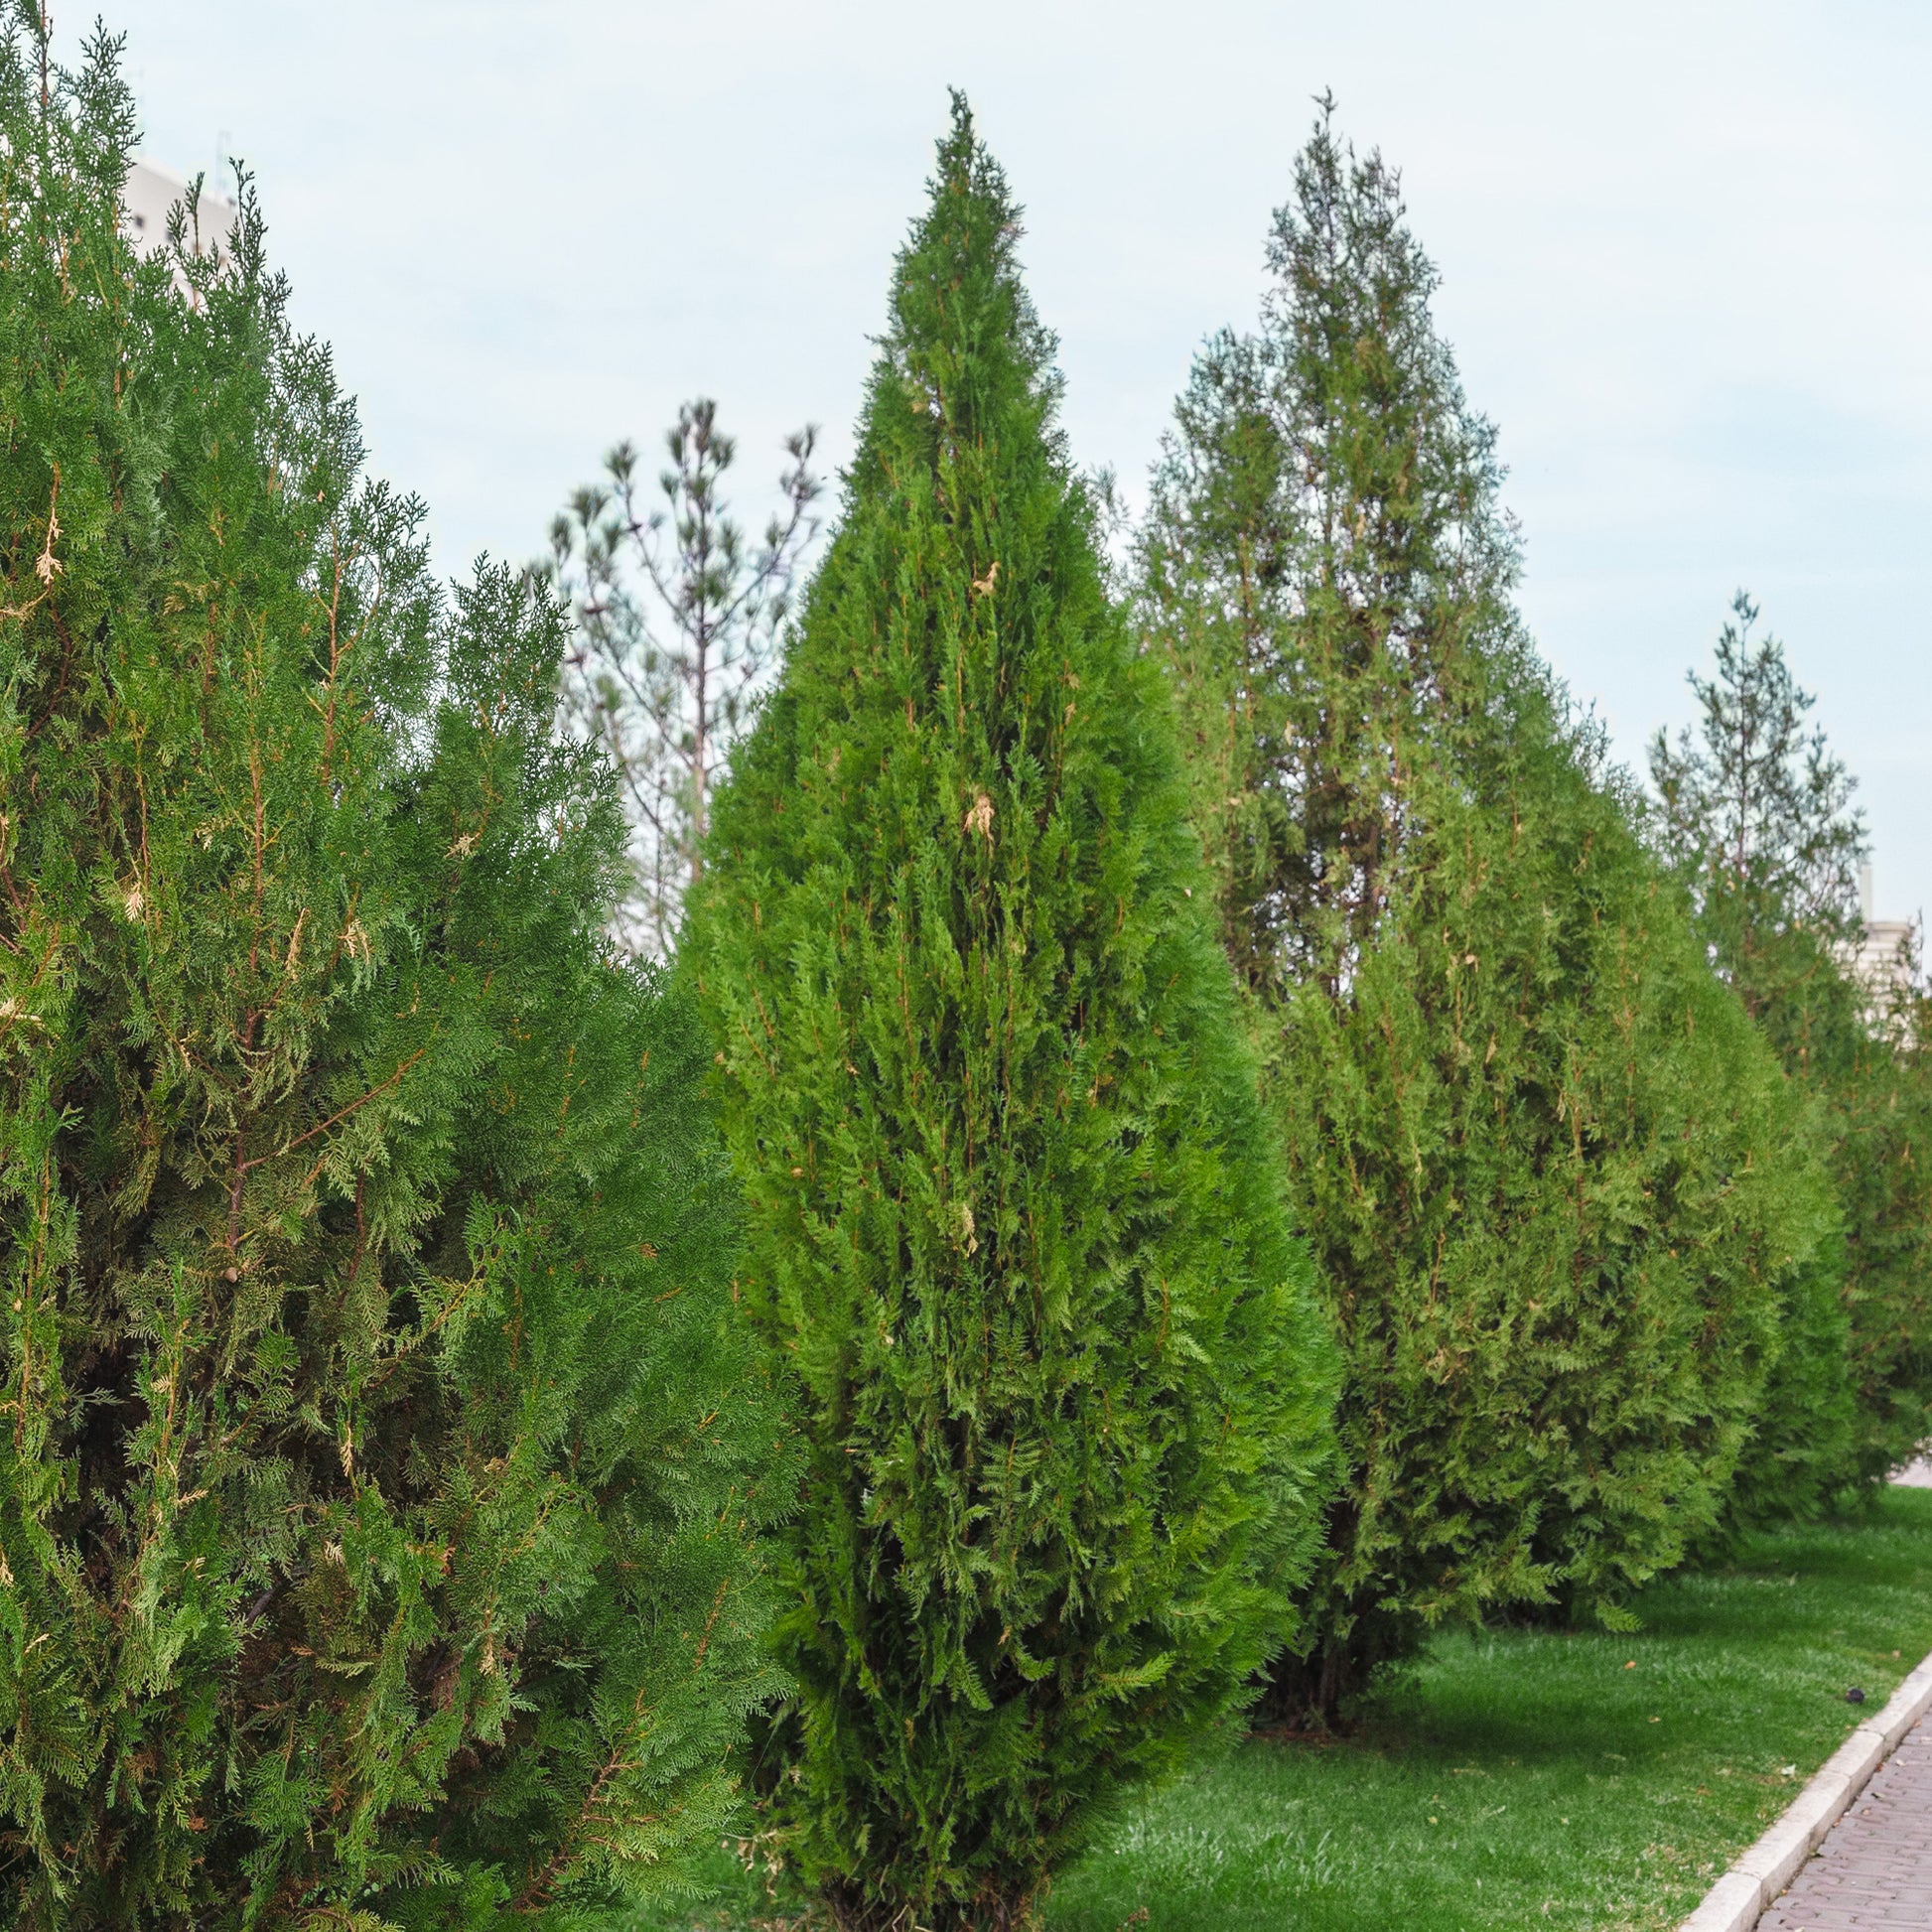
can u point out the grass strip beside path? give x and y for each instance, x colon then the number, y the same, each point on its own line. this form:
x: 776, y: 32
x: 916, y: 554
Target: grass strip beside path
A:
x: 1529, y: 1778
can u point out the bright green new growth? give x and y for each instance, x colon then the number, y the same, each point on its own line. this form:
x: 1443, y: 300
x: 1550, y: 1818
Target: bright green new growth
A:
x: 381, y: 1482
x: 1549, y: 1173
x: 1013, y: 1214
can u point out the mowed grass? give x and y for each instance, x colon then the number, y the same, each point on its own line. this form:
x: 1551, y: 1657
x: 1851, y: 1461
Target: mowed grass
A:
x: 1526, y: 1778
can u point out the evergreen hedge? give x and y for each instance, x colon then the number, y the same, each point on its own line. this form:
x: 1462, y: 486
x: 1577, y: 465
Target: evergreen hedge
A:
x: 1566, y: 1202
x: 1755, y: 814
x: 1880, y: 1116
x: 1015, y: 1217
x: 381, y: 1477
x: 1559, y: 1194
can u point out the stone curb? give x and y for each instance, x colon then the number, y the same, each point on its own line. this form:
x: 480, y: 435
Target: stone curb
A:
x: 1744, y: 1893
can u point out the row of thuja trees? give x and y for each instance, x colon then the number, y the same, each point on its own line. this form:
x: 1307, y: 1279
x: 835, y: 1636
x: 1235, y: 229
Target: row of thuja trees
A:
x: 459, y: 1383
x: 1574, y: 1223
x: 1610, y: 1173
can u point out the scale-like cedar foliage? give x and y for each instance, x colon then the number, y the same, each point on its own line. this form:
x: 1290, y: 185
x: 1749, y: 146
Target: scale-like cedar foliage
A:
x: 381, y: 1482
x: 1549, y: 1173
x: 1555, y: 1182
x: 1015, y: 1217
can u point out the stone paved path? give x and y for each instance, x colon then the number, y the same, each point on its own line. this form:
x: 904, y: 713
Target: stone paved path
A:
x: 1874, y: 1868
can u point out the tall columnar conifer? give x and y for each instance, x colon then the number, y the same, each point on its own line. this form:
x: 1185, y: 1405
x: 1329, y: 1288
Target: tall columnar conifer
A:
x: 1014, y: 1218
x: 1549, y: 1173
x: 381, y: 1481
x: 1756, y: 814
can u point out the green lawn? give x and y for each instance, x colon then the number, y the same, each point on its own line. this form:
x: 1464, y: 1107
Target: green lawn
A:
x: 1528, y: 1778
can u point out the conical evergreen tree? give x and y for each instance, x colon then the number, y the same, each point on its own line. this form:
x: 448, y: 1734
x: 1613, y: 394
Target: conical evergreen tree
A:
x: 381, y: 1480
x: 1015, y: 1217
x: 1548, y: 1172
x: 1755, y: 815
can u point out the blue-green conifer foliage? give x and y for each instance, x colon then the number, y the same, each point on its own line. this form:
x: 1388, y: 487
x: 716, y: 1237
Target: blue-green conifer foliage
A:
x: 1014, y: 1214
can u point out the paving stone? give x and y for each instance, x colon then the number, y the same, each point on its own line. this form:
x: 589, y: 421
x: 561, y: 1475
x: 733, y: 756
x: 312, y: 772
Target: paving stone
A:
x: 1874, y: 1868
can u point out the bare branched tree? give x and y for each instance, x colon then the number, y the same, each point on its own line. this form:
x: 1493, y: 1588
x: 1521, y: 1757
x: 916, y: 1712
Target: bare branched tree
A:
x: 678, y: 626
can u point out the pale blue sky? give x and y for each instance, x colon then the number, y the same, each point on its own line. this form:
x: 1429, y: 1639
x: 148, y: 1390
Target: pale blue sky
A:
x: 1684, y: 246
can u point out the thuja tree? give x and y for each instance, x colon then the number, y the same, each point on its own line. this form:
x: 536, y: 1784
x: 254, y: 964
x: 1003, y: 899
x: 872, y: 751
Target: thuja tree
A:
x: 1756, y: 814
x: 1014, y: 1218
x: 1554, y: 1186
x: 381, y: 1482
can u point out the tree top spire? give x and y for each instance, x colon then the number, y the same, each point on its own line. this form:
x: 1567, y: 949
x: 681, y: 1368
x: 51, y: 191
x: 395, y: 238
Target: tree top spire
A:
x: 963, y: 341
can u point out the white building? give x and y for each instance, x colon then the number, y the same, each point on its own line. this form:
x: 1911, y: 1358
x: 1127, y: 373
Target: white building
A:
x: 1885, y: 959
x: 152, y: 190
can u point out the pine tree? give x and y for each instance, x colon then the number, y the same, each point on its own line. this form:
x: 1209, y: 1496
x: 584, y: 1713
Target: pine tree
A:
x: 1756, y: 814
x: 382, y: 1479
x: 677, y: 621
x: 1014, y: 1218
x: 1550, y: 1180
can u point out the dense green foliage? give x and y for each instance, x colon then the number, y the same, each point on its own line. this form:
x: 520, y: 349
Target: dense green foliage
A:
x: 381, y: 1479
x: 392, y: 1371
x: 1554, y: 1186
x: 1755, y: 813
x: 1881, y: 1118
x: 1014, y: 1218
